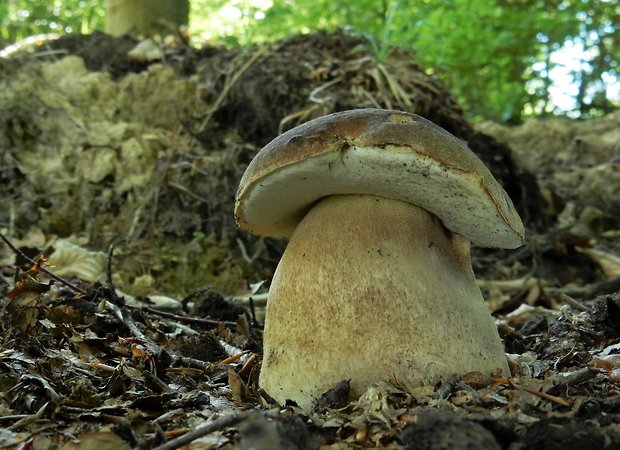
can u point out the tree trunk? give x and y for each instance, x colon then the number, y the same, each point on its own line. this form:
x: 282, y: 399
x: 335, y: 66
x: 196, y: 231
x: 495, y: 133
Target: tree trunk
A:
x: 143, y: 18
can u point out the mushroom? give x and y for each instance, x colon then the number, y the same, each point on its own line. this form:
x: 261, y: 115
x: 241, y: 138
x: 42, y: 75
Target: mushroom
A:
x: 376, y: 282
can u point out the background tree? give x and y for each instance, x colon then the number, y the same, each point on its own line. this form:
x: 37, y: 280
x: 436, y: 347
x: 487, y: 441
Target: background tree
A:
x: 145, y: 17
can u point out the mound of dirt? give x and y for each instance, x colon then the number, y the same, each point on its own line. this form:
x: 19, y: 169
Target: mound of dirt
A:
x: 578, y: 161
x: 101, y: 143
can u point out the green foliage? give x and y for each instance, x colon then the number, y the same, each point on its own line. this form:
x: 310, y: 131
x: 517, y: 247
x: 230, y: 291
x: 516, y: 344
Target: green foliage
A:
x: 481, y: 49
x: 381, y: 47
x: 499, y: 57
x: 22, y: 18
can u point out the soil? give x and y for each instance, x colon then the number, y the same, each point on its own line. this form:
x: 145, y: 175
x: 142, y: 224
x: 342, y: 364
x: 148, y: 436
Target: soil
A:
x: 119, y: 164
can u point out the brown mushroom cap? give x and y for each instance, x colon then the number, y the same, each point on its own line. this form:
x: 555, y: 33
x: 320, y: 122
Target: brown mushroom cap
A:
x: 391, y: 154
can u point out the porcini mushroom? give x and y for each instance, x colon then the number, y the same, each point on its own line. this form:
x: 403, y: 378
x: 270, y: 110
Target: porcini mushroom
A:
x: 376, y: 282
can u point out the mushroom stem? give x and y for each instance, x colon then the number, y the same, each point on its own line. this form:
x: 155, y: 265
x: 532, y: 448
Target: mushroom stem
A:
x: 372, y: 289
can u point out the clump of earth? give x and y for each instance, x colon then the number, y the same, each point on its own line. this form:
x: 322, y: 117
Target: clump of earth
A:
x: 102, y: 147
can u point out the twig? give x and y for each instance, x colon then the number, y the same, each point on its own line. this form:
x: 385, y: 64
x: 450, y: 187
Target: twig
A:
x: 157, y: 381
x: 13, y: 417
x: 590, y: 290
x: 581, y: 376
x: 186, y: 361
x: 216, y: 425
x: 28, y: 420
x: 116, y: 303
x: 152, y: 347
x: 256, y: 299
x: 30, y: 41
x: 296, y: 115
x: 192, y: 194
x: 108, y: 275
x: 244, y: 252
x: 233, y: 358
x: 169, y: 415
x: 127, y: 321
x: 49, y: 273
x: 254, y: 321
x: 541, y: 394
x: 185, y: 319
x: 574, y: 303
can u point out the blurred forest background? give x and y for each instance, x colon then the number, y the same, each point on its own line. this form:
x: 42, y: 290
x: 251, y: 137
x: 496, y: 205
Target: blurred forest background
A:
x: 505, y: 60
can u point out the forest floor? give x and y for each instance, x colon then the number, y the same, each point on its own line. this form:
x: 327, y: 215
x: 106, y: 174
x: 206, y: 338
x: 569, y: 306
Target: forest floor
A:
x: 139, y: 323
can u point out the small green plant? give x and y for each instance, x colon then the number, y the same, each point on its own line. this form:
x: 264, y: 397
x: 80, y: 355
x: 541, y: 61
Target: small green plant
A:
x: 382, y: 46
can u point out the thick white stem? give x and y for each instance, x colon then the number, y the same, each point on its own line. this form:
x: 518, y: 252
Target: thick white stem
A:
x: 373, y: 289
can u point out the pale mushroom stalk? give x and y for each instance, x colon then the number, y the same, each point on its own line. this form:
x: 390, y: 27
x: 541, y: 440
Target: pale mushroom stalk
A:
x: 376, y: 282
x: 370, y: 289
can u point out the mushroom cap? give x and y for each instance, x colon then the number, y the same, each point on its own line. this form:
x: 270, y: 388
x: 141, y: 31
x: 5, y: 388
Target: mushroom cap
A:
x: 387, y: 153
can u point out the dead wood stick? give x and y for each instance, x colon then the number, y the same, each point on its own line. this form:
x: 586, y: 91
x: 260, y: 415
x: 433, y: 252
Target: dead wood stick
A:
x: 216, y: 425
x: 129, y: 323
x: 589, y: 290
x: 116, y: 305
x: 186, y: 319
x: 49, y: 273
x: 108, y: 274
x: 541, y: 394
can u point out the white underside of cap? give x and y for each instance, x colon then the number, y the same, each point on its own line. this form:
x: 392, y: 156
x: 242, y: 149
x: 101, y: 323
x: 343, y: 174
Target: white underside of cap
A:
x: 281, y: 199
